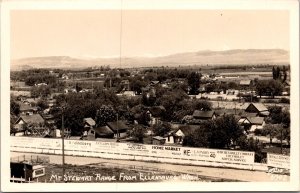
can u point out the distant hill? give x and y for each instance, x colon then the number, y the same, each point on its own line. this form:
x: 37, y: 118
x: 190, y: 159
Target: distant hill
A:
x: 234, y: 57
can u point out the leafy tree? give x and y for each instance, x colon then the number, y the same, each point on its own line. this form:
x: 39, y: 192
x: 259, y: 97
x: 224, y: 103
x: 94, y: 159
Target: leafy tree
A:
x: 138, y: 133
x: 172, y: 102
x: 189, y: 141
x: 271, y: 131
x: 105, y: 114
x: 14, y: 107
x: 279, y: 116
x: 255, y: 145
x: 194, y: 82
x: 161, y: 129
x: 40, y: 91
x: 284, y: 70
x: 219, y: 133
x: 269, y: 88
x: 274, y: 73
x: 203, y: 105
x: 233, y: 85
x: 77, y: 87
x: 42, y: 104
x: 137, y: 85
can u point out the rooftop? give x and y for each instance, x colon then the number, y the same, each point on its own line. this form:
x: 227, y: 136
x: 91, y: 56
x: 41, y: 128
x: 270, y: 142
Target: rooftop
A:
x: 89, y: 121
x: 35, y: 118
x: 256, y: 120
x: 203, y: 114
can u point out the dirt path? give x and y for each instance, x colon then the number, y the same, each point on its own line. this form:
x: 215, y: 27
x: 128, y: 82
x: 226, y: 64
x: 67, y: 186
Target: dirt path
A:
x: 225, y: 173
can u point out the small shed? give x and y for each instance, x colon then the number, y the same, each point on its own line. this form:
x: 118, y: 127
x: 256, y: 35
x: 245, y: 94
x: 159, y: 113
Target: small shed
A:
x: 158, y: 140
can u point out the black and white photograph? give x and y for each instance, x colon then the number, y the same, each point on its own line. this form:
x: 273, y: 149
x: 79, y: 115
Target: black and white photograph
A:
x: 148, y: 96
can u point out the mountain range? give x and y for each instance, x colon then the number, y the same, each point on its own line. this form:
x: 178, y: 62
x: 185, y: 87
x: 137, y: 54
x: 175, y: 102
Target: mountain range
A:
x: 206, y: 57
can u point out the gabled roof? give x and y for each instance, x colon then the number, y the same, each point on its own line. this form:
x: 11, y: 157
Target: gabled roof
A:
x: 259, y: 106
x: 256, y: 120
x: 154, y: 82
x: 31, y: 100
x: 105, y: 130
x: 188, y: 130
x: 35, y: 118
x: 25, y: 107
x: 115, y: 126
x: 89, y: 121
x: 203, y: 114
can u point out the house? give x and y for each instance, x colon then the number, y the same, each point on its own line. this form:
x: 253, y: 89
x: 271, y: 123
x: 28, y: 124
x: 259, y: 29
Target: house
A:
x: 30, y: 101
x: 89, y: 122
x: 49, y: 119
x: 69, y: 90
x: 24, y: 120
x: 119, y: 128
x: 99, y: 132
x: 26, y: 109
x: 155, y: 114
x: 127, y: 93
x: 65, y: 76
x: 258, y: 108
x: 245, y: 83
x: 252, y: 123
x: 154, y: 83
x: 158, y: 140
x: 41, y: 84
x: 177, y: 136
x: 204, y: 115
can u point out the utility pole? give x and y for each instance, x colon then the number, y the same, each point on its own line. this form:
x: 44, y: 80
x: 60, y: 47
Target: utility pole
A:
x: 281, y: 139
x: 117, y: 127
x: 63, y: 144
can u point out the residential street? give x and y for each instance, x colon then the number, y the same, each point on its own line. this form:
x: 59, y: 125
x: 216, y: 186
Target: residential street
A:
x: 224, y: 173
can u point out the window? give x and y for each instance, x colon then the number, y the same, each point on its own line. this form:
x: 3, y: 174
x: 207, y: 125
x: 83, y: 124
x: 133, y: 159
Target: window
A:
x: 92, y: 132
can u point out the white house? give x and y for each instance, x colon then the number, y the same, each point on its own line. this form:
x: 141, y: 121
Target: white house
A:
x: 252, y: 123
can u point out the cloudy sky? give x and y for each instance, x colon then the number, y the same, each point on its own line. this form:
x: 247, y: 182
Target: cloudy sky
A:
x: 96, y: 33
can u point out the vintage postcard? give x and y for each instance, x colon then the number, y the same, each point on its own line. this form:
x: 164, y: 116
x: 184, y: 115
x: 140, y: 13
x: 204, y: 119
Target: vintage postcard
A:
x: 182, y: 95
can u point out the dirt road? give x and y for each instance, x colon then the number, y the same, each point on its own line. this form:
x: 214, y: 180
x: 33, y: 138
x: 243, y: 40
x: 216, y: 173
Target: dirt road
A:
x: 224, y: 173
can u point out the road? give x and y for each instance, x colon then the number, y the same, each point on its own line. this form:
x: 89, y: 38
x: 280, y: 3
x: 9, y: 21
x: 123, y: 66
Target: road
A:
x: 224, y: 173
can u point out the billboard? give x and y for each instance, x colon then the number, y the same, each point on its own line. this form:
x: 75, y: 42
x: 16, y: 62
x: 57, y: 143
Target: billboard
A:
x: 278, y: 161
x: 178, y: 153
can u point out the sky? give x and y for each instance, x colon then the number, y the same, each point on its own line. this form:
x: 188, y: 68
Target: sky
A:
x: 97, y: 33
